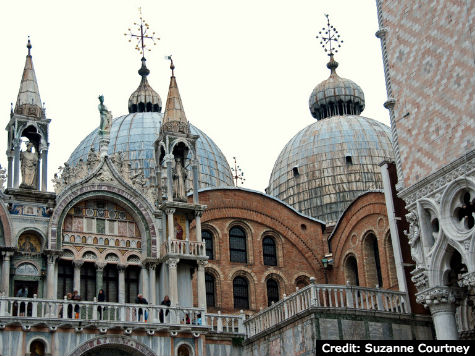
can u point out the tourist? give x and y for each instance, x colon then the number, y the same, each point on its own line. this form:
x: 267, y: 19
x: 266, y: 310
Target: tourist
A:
x: 166, y: 301
x: 77, y: 297
x: 101, y: 298
x: 141, y: 300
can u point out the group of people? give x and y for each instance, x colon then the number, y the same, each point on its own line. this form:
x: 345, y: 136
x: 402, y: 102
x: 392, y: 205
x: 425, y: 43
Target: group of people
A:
x: 72, y: 296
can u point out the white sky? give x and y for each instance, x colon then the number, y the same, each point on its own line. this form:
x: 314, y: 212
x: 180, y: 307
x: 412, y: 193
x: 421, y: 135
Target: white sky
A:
x: 245, y: 69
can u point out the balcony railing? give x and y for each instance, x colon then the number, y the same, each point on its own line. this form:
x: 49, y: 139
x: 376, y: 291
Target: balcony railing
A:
x: 183, y: 248
x: 106, y: 315
x: 329, y: 297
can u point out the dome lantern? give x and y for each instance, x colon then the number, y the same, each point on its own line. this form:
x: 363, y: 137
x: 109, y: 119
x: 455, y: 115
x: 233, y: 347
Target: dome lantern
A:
x: 144, y: 98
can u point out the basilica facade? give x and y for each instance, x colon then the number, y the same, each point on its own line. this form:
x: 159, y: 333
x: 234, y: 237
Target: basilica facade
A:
x: 146, y: 246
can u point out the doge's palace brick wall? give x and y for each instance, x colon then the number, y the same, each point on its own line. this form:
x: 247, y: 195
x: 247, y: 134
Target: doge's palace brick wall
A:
x: 429, y: 58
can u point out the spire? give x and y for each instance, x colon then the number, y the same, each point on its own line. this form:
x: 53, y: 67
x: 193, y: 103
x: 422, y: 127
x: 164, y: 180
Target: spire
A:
x: 28, y: 102
x: 174, y: 118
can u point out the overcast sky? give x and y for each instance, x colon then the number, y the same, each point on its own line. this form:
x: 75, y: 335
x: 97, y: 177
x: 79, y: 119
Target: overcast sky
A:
x: 245, y: 69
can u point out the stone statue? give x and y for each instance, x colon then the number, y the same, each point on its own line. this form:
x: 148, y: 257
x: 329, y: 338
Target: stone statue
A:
x: 29, y: 167
x: 106, y: 117
x: 3, y: 176
x: 179, y: 180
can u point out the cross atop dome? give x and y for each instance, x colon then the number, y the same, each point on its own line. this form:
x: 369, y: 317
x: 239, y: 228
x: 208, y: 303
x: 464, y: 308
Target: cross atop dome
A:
x: 142, y: 35
x: 330, y: 38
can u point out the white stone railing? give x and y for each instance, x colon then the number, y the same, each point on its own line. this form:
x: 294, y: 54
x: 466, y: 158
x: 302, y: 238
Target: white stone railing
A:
x: 330, y: 297
x: 112, y: 313
x: 183, y: 247
x: 223, y: 323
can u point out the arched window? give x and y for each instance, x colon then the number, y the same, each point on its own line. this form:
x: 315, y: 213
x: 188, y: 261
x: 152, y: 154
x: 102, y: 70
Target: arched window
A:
x: 65, y: 278
x: 372, y: 262
x: 210, y: 290
x: 237, y: 245
x: 269, y: 251
x: 302, y: 282
x: 208, y: 240
x: 88, y: 281
x: 272, y: 291
x: 351, y: 271
x: 110, y: 283
x: 37, y: 348
x: 132, y: 274
x: 241, y: 293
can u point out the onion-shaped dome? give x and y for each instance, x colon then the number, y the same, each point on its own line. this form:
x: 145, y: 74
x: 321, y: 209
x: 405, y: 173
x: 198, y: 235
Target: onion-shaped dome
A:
x: 134, y: 135
x: 336, y: 96
x: 144, y: 99
x: 329, y: 163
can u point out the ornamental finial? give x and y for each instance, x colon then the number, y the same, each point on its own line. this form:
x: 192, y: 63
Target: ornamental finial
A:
x: 142, y: 35
x: 329, y: 38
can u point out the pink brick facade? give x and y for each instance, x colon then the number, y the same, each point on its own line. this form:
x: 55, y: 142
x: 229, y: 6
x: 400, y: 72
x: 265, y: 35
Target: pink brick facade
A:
x: 429, y: 55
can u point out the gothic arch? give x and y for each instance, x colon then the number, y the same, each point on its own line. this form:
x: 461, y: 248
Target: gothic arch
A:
x: 137, y: 207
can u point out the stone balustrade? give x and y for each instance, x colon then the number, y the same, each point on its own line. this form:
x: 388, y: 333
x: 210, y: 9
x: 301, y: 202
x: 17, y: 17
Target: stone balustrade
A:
x: 222, y: 323
x: 329, y: 297
x: 66, y: 311
x: 183, y: 248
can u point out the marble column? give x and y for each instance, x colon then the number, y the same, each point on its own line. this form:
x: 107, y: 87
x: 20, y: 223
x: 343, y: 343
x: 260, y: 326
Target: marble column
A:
x: 16, y: 165
x: 50, y: 276
x: 10, y: 171
x: 194, y: 168
x: 100, y: 265
x: 153, y: 280
x: 201, y: 284
x: 77, y: 275
x: 171, y: 223
x: 44, y: 170
x: 6, y: 272
x: 121, y: 269
x: 144, y: 282
x: 173, y: 280
x: 441, y: 303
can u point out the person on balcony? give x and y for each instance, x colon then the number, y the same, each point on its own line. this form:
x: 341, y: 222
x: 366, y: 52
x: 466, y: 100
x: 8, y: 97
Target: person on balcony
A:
x: 77, y: 297
x: 101, y: 298
x: 166, y: 301
x: 141, y: 300
x: 22, y: 293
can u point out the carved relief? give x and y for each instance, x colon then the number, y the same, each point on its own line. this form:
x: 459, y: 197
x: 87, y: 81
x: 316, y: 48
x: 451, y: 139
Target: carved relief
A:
x: 414, y: 238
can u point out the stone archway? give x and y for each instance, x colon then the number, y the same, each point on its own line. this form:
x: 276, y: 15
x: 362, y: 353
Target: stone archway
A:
x: 113, y: 345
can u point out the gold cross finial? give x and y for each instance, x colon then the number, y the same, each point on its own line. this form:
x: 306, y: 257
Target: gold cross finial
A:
x: 142, y: 27
x: 330, y: 34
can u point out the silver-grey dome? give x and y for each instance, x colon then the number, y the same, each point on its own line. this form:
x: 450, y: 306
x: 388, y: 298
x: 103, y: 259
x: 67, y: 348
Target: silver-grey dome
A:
x: 134, y: 135
x: 329, y: 163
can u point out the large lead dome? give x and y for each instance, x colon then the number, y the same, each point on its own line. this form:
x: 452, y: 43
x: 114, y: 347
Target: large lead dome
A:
x: 134, y: 135
x: 329, y: 163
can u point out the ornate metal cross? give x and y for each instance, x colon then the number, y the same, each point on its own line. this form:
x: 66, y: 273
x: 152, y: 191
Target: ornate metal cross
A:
x: 330, y: 39
x: 238, y: 174
x: 141, y: 36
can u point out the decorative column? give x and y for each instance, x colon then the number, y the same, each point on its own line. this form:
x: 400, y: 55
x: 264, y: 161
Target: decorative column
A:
x: 173, y: 280
x: 10, y: 170
x: 201, y: 284
x: 16, y: 166
x: 77, y: 275
x: 44, y: 170
x: 171, y: 223
x: 144, y: 282
x: 50, y: 276
x: 169, y: 159
x: 6, y: 272
x: 194, y: 168
x: 152, y: 277
x: 121, y: 269
x: 441, y: 303
x: 100, y: 265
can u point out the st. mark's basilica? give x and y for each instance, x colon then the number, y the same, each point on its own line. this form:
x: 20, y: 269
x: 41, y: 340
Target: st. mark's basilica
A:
x: 141, y: 244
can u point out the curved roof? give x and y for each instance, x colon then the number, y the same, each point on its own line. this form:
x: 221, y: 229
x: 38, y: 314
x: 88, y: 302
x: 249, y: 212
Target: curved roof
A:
x: 329, y: 163
x: 134, y: 134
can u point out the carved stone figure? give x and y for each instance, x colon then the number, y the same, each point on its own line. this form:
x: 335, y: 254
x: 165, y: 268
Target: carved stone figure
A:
x: 29, y: 166
x: 179, y: 180
x: 414, y: 237
x: 106, y: 117
x: 3, y: 176
x: 92, y: 159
